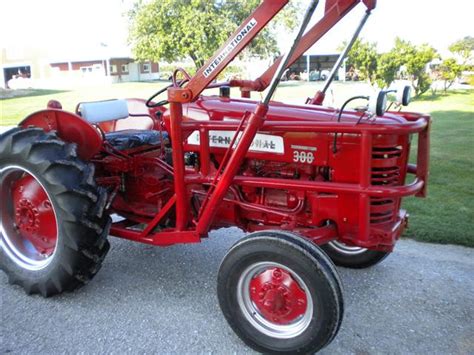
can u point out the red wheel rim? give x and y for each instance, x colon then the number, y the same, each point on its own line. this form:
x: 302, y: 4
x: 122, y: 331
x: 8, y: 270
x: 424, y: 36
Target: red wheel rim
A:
x: 275, y: 300
x: 28, y: 219
x: 277, y: 296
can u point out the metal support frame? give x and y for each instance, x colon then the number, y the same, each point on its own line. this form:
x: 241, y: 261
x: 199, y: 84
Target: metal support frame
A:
x: 183, y: 232
x: 419, y: 125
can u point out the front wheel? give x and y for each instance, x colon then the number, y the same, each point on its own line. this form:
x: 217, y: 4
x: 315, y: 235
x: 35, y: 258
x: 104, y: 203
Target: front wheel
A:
x: 352, y: 256
x: 280, y: 293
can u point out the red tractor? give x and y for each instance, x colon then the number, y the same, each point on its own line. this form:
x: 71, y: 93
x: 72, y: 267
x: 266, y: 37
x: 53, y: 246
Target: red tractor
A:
x: 312, y: 184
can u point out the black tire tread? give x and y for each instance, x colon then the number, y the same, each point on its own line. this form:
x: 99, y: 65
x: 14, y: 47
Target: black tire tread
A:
x: 79, y: 200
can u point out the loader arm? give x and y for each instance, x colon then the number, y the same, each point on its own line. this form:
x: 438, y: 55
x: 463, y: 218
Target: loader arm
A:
x: 334, y: 11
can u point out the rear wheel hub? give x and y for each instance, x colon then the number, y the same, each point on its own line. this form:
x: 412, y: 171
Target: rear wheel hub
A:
x: 29, y: 225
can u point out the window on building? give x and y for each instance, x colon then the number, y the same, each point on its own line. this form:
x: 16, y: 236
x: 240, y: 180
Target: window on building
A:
x: 124, y: 68
x: 113, y: 69
x: 146, y: 68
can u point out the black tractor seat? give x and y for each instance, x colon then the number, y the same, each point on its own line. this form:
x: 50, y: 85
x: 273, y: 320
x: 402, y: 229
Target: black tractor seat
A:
x: 133, y: 138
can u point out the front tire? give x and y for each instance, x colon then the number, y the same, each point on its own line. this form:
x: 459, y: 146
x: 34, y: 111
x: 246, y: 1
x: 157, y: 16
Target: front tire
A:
x: 280, y: 293
x: 351, y: 256
x: 53, y: 227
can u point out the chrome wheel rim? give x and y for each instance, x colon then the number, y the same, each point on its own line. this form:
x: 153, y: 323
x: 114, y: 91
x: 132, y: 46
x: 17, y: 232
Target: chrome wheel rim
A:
x: 346, y: 249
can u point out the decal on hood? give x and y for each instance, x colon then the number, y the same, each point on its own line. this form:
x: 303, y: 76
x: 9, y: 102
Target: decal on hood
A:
x: 261, y: 143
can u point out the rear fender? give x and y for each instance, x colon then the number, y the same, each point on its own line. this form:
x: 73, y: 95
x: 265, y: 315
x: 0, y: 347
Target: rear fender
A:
x: 70, y: 128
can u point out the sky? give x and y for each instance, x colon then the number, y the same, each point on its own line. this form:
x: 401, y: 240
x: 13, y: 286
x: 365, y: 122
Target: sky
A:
x: 62, y: 26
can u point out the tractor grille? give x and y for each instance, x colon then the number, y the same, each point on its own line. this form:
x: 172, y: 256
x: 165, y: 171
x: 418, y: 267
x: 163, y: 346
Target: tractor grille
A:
x: 385, y: 172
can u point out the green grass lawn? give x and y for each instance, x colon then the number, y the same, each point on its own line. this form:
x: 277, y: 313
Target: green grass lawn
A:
x: 13, y: 110
x: 445, y: 216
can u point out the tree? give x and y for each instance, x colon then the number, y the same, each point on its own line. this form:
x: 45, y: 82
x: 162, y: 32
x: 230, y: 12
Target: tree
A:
x: 414, y: 59
x: 363, y: 58
x: 464, y: 48
x: 452, y: 68
x: 449, y: 70
x: 172, y: 30
x: 388, y: 66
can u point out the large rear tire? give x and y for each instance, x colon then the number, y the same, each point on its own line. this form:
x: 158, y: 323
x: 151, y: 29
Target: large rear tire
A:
x: 353, y: 257
x: 53, y: 227
x: 280, y: 293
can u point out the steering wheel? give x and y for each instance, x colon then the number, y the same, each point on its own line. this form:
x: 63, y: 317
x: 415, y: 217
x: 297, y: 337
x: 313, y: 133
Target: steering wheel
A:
x: 149, y: 103
x: 176, y: 83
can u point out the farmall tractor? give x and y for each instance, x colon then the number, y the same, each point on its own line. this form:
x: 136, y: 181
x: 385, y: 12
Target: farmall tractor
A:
x: 314, y: 185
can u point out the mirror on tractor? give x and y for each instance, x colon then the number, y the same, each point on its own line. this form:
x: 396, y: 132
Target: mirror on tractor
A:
x: 378, y: 103
x: 404, y: 95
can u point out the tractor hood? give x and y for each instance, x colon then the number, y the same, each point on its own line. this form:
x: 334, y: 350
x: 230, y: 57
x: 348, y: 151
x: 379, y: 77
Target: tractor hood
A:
x: 216, y: 108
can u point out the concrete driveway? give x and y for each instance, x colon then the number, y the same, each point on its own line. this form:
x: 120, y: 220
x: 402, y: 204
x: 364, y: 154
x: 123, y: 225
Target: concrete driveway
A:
x: 146, y: 299
x: 150, y: 300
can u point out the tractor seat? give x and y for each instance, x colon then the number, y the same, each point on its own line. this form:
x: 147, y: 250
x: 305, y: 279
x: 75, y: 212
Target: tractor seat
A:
x: 103, y: 111
x: 114, y: 111
x: 133, y: 138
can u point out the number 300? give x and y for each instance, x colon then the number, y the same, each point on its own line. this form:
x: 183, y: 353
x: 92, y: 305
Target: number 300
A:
x: 303, y: 157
